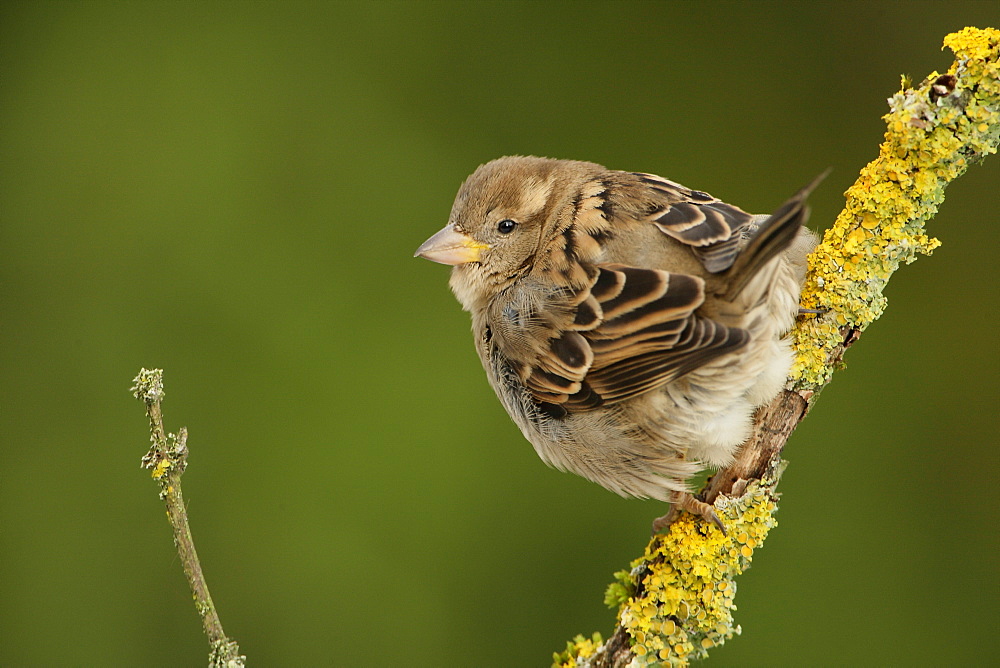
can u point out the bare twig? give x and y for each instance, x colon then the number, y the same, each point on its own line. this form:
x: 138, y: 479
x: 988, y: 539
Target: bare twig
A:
x: 167, y: 458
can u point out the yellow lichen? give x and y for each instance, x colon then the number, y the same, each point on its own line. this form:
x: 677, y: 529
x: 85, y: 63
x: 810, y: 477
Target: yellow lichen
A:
x: 685, y: 582
x: 932, y: 131
x: 577, y: 652
x: 161, y: 469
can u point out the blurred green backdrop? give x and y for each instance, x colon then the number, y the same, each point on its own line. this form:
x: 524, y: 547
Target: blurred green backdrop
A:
x: 233, y: 191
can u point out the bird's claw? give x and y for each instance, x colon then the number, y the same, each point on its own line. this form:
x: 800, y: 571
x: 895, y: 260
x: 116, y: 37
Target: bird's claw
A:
x: 685, y: 501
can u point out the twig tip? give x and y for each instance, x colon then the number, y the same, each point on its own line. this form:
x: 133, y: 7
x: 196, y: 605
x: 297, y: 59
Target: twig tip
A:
x: 148, y: 385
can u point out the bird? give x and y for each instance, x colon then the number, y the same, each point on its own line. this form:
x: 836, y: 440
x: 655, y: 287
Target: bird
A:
x: 629, y: 325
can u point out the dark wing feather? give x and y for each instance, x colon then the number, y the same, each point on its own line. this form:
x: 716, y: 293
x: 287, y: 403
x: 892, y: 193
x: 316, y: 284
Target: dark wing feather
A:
x: 773, y: 236
x: 698, y: 342
x: 638, y: 330
x: 711, y: 227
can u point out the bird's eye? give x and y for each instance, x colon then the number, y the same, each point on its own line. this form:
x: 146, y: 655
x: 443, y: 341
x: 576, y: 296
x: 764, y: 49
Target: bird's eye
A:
x: 506, y: 226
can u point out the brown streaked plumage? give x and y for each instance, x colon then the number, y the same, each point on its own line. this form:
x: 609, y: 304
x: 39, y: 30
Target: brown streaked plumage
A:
x: 628, y: 324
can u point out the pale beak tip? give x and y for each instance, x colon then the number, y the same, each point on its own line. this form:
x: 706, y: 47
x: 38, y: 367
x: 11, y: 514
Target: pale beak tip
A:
x: 424, y: 248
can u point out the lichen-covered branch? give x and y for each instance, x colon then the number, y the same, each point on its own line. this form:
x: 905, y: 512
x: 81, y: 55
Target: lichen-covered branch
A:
x: 167, y: 458
x: 676, y: 601
x: 934, y: 132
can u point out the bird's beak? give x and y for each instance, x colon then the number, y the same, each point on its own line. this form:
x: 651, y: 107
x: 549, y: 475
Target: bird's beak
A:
x: 449, y: 246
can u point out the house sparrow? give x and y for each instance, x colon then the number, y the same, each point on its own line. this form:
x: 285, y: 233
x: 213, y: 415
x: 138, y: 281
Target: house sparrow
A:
x: 629, y: 325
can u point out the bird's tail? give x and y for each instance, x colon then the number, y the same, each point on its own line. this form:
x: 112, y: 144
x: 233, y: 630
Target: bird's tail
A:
x: 774, y: 235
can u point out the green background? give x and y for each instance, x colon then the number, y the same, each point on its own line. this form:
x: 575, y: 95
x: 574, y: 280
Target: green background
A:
x: 233, y: 192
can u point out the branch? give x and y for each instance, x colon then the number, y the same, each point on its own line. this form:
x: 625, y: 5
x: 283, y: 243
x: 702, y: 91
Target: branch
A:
x: 167, y: 458
x: 676, y: 601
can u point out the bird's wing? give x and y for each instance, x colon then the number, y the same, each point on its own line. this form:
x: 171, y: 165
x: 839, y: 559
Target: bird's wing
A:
x: 711, y: 227
x: 627, y: 332
x: 722, y: 236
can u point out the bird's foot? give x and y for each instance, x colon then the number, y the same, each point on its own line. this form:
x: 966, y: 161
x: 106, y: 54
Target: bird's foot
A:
x: 685, y: 501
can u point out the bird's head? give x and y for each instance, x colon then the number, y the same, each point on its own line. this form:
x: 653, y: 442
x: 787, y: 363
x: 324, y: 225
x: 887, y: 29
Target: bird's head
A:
x: 504, y: 215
